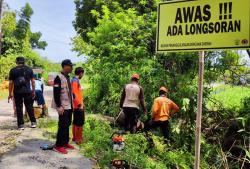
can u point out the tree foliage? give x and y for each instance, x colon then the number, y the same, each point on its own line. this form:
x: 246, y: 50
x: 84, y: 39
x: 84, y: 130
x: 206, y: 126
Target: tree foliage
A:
x: 17, y: 36
x: 121, y: 42
x: 18, y: 40
x: 119, y: 39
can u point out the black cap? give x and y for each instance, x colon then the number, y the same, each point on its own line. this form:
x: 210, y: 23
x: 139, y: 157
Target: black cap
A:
x: 67, y: 62
x: 20, y: 60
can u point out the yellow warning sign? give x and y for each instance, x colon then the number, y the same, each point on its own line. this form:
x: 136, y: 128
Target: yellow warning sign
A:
x: 203, y: 25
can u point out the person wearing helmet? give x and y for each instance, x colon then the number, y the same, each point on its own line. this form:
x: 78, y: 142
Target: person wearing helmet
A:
x: 131, y: 99
x: 163, y: 109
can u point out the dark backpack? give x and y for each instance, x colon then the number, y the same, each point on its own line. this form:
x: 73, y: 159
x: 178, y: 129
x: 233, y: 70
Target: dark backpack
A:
x: 21, y: 80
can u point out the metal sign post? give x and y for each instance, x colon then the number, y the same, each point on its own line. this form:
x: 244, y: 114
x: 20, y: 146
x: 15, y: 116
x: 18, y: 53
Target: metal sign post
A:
x: 199, y: 110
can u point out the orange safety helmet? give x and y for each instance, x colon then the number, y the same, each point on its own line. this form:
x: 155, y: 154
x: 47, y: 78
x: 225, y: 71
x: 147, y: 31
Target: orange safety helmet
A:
x: 135, y: 76
x: 163, y: 89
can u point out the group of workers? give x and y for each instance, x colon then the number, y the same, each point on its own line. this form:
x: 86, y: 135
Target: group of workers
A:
x: 132, y: 99
x: 68, y: 101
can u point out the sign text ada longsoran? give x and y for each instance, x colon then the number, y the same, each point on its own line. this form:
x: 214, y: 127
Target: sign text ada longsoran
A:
x: 203, y: 25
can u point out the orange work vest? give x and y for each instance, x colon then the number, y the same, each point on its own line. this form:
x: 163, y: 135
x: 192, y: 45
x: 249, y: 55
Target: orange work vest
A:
x: 77, y: 92
x: 163, y: 108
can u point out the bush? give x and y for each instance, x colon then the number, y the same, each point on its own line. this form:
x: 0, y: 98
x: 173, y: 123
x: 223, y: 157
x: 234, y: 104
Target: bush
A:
x: 244, y: 113
x: 6, y: 64
x: 97, y: 145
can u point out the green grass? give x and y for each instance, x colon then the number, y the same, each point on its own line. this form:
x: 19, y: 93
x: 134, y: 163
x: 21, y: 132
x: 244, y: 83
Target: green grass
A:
x: 3, y: 94
x: 98, y: 145
x: 47, y: 124
x: 49, y: 127
x: 228, y: 97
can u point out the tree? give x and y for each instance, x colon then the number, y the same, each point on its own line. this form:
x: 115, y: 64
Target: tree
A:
x: 86, y: 22
x: 18, y: 40
x: 23, y: 25
x: 17, y: 36
x: 10, y: 42
x: 35, y: 41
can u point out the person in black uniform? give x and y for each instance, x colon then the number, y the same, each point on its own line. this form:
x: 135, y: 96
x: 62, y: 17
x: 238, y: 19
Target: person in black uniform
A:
x: 20, y: 79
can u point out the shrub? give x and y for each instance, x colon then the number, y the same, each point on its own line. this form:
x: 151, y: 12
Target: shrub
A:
x: 97, y: 145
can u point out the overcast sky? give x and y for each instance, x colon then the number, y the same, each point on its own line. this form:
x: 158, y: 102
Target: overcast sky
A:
x: 54, y: 19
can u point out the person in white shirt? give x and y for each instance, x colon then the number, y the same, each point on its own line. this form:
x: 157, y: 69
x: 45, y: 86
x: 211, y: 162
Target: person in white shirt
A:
x: 132, y: 99
x: 39, y: 88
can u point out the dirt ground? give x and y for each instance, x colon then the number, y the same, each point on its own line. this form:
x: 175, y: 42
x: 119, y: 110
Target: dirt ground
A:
x: 8, y: 135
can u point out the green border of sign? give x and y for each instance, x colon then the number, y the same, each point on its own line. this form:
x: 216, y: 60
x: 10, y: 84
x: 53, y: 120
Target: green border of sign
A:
x: 194, y: 49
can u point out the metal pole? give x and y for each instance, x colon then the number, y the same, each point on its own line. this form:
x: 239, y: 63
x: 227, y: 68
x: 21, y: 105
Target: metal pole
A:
x: 248, y: 52
x: 199, y: 111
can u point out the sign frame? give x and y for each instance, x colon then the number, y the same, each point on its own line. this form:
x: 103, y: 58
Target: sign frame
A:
x: 191, y: 49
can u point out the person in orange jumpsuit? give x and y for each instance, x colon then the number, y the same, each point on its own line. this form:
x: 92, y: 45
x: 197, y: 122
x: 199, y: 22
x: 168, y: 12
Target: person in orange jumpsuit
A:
x: 78, y: 106
x: 163, y: 109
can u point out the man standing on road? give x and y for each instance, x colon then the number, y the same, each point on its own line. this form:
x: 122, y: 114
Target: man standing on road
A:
x: 79, y: 106
x: 20, y: 78
x: 63, y: 103
x: 163, y: 109
x: 131, y: 99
